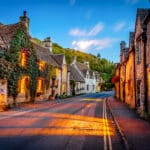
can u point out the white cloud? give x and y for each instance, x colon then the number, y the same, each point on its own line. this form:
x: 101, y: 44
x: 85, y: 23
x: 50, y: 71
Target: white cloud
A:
x: 77, y: 32
x: 72, y: 2
x: 94, y: 31
x: 97, y: 44
x: 119, y: 26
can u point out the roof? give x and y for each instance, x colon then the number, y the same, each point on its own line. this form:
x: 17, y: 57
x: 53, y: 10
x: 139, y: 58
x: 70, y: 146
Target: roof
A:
x: 147, y: 18
x: 74, y: 74
x: 7, y: 33
x: 58, y: 58
x: 82, y: 66
x: 141, y: 14
x: 44, y: 54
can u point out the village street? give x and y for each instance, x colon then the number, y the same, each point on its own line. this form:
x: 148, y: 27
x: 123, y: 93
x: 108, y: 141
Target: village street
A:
x: 83, y: 122
x: 77, y: 123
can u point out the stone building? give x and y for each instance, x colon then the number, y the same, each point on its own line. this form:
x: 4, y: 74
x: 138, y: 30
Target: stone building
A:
x: 43, y: 51
x: 140, y: 61
x: 129, y: 76
x: 77, y: 81
x: 90, y: 77
x: 147, y: 36
x: 133, y: 70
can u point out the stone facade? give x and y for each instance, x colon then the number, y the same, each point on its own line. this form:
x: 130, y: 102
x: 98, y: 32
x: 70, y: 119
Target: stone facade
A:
x: 90, y: 80
x: 129, y: 81
x: 44, y: 57
x: 3, y: 94
x: 134, y: 67
x: 147, y: 25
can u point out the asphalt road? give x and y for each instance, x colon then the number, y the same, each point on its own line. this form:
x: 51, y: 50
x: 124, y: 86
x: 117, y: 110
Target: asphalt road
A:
x: 80, y: 123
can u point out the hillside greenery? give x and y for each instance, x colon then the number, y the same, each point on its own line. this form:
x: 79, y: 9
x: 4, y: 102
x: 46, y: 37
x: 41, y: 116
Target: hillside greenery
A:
x: 102, y: 65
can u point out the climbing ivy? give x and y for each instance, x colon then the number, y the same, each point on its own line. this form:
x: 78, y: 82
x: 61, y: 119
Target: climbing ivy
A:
x: 33, y: 73
x: 20, y: 41
x: 48, y: 73
x: 13, y: 71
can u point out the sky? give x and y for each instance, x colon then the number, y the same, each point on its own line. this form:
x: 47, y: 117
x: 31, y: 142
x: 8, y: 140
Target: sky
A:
x: 91, y: 26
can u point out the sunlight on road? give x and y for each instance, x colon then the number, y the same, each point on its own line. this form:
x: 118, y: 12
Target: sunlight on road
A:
x: 93, y: 99
x: 58, y: 124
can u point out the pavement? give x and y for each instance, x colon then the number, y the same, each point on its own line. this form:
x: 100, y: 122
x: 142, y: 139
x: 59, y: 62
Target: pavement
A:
x: 134, y: 130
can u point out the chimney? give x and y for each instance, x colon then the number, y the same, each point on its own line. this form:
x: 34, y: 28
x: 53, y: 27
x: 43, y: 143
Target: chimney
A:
x: 131, y: 40
x: 87, y: 64
x: 74, y: 59
x: 25, y: 20
x: 48, y: 43
x: 122, y: 45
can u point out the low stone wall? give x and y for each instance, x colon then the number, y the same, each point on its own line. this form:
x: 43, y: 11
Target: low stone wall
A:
x: 3, y: 94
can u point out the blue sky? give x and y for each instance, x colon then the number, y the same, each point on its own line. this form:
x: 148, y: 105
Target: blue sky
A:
x: 92, y: 26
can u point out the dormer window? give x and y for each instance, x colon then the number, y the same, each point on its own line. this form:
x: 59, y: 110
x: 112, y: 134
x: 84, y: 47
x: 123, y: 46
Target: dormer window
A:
x: 139, y: 51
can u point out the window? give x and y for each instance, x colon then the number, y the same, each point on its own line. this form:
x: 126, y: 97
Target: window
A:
x: 87, y: 87
x: 23, y: 84
x: 23, y: 59
x: 40, y: 85
x: 139, y: 51
x: 41, y: 65
x: 93, y: 87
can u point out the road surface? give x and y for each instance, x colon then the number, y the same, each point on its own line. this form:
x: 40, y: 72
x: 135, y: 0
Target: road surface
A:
x: 80, y: 123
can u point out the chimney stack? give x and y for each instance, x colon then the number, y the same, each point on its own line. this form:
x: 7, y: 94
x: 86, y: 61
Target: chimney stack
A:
x: 122, y: 45
x: 25, y: 20
x: 87, y: 64
x: 48, y: 43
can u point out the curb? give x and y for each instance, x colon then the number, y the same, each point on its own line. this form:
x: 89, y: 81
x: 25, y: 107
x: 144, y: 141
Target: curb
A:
x: 124, y: 139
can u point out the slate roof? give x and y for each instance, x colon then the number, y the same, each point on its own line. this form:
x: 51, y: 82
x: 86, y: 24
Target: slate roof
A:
x: 82, y: 66
x: 74, y: 74
x: 58, y: 58
x: 147, y: 17
x: 141, y: 13
x: 44, y: 54
x: 7, y: 33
